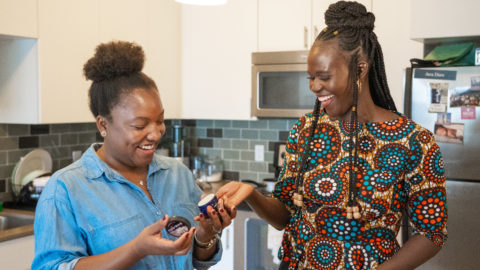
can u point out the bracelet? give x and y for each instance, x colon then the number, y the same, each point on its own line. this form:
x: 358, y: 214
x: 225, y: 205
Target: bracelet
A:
x: 204, y: 245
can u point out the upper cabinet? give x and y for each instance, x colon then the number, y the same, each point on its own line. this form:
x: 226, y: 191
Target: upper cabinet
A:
x: 217, y: 42
x: 18, y: 18
x: 433, y: 19
x: 285, y: 25
x: 41, y: 80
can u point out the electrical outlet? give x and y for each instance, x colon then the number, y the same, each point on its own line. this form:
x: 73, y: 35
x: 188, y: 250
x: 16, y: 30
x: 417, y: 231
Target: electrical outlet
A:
x: 259, y: 152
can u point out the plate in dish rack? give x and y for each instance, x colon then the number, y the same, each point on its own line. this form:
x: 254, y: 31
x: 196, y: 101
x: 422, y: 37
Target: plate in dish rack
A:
x: 38, y: 159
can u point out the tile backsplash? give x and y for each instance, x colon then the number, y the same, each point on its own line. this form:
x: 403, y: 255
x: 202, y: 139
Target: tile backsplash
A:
x: 231, y: 140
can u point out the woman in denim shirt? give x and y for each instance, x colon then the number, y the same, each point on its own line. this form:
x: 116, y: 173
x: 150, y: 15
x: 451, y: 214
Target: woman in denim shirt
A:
x: 109, y: 209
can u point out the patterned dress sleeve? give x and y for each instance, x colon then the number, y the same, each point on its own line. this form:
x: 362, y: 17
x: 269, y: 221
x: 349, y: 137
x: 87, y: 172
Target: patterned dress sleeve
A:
x: 285, y: 186
x: 427, y: 200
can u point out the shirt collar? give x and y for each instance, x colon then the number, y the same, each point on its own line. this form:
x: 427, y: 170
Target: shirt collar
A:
x: 95, y: 167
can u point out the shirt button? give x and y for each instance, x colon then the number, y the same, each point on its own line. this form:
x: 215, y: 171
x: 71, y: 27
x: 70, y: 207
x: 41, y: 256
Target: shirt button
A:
x: 158, y: 213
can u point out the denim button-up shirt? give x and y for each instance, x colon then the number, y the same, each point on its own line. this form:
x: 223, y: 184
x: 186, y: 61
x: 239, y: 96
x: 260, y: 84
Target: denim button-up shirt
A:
x: 87, y: 208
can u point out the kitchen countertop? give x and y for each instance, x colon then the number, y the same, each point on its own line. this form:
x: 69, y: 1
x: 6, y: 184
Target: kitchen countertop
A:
x: 17, y: 232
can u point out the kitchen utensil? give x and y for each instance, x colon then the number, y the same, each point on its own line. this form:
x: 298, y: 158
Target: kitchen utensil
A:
x: 36, y: 160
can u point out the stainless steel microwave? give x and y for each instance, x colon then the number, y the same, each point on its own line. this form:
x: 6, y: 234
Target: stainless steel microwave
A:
x: 280, y: 84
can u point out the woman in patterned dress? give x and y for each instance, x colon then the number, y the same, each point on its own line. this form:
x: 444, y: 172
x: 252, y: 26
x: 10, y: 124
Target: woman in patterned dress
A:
x: 354, y: 166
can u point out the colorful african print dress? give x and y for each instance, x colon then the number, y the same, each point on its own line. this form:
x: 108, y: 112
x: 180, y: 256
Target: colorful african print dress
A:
x: 399, y: 167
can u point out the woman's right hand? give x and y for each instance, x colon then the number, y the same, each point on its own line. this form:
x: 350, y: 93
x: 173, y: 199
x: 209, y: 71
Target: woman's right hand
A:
x: 151, y: 242
x: 235, y: 191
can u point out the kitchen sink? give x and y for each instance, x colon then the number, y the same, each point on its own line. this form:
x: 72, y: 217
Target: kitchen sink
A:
x: 11, y: 220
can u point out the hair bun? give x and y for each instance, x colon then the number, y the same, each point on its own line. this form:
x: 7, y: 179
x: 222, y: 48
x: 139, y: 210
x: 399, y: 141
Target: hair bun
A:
x: 344, y: 14
x: 114, y: 59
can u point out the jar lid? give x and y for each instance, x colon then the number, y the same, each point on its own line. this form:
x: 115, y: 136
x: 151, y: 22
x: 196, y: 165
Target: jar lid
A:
x: 177, y: 226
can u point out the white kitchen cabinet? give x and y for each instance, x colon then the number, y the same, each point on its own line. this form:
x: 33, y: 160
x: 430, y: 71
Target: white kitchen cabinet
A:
x: 433, y: 19
x: 17, y: 254
x: 18, y: 18
x: 42, y: 80
x: 217, y: 42
x: 226, y: 262
x: 392, y: 26
x: 285, y: 25
x: 68, y: 34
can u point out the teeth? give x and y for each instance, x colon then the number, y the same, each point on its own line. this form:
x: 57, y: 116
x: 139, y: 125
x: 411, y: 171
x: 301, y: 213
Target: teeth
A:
x: 322, y: 99
x: 146, y: 147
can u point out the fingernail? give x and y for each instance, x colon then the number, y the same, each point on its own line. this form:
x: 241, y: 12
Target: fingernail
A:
x: 164, y: 217
x: 201, y: 215
x: 221, y: 210
x: 194, y: 229
x: 214, y: 213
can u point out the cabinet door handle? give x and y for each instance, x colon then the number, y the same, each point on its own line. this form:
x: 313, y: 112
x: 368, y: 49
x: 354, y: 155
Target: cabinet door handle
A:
x: 228, y: 239
x: 315, y: 32
x: 305, y: 36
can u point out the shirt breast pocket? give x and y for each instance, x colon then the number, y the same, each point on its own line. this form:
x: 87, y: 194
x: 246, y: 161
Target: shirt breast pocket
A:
x: 116, y: 233
x: 186, y: 210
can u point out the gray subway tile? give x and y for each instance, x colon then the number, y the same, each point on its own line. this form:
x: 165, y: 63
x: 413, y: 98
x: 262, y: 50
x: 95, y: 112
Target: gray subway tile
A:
x: 247, y: 155
x: 262, y: 176
x: 224, y: 144
x: 200, y: 132
x: 240, y: 144
x: 271, y: 135
x: 248, y: 175
x: 231, y: 154
x: 59, y: 152
x: 240, y: 165
x: 18, y: 130
x: 3, y: 157
x: 231, y: 133
x: 3, y: 130
x: 222, y: 123
x: 6, y: 171
x: 205, y: 123
x: 69, y: 139
x: 240, y: 124
x: 86, y: 137
x: 8, y: 143
x: 64, y: 162
x: 80, y: 127
x: 60, y: 128
x: 269, y: 156
x: 258, y: 166
x: 280, y: 124
x: 49, y: 140
x: 227, y: 165
x: 262, y: 123
x: 14, y: 156
x: 250, y: 134
x: 213, y: 152
x: 291, y: 123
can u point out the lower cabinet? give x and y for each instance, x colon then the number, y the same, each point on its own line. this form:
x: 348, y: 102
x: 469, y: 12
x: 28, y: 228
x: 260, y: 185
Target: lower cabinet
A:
x: 226, y: 263
x: 17, y: 254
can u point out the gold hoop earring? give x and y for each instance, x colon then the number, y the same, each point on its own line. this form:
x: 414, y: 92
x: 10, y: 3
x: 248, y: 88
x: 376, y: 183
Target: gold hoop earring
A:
x: 103, y: 133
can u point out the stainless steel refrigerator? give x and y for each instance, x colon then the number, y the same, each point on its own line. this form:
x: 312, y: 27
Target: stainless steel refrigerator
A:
x: 447, y: 102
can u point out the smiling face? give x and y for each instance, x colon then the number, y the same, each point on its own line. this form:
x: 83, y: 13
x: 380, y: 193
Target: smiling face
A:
x: 134, y: 131
x: 329, y: 78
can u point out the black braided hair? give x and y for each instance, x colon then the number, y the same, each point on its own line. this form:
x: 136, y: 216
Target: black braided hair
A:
x: 352, y: 25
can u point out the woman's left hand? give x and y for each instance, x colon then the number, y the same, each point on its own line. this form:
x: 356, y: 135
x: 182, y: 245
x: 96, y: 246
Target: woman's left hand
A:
x: 215, y: 222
